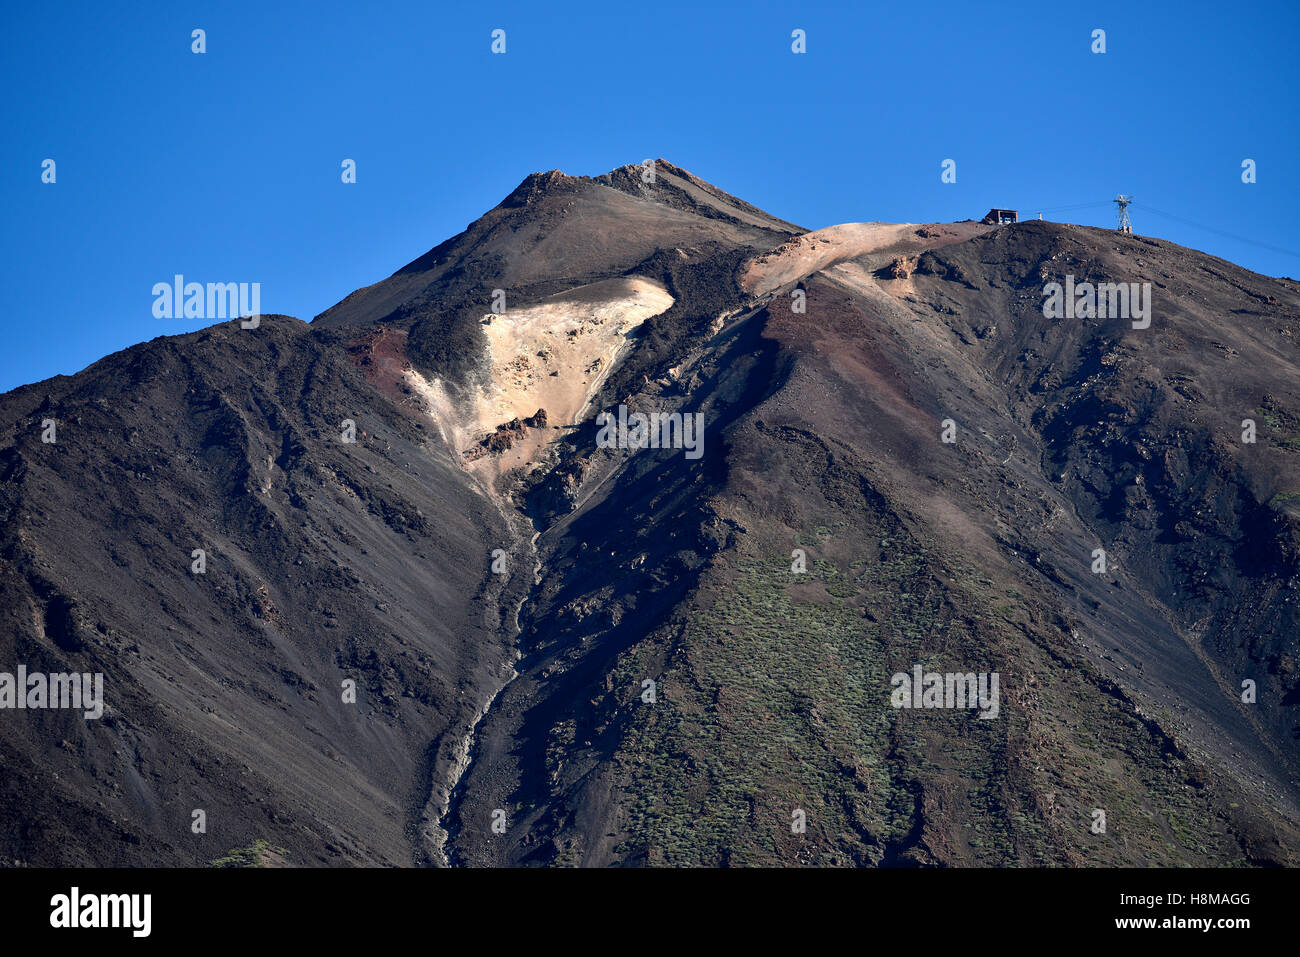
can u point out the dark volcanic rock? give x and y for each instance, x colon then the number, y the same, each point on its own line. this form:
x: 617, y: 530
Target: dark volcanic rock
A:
x: 223, y: 691
x: 506, y: 435
x: 706, y: 643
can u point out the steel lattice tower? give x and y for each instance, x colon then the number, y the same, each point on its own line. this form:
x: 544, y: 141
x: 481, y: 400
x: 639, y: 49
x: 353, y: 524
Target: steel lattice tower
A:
x: 1125, y: 225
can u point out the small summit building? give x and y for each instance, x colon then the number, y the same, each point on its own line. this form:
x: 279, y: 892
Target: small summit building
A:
x: 1000, y: 217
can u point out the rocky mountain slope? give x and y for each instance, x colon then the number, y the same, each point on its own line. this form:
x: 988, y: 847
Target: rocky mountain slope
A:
x: 566, y: 653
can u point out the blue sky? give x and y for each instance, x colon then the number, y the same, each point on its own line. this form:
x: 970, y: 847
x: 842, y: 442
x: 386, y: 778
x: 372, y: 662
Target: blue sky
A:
x: 225, y: 166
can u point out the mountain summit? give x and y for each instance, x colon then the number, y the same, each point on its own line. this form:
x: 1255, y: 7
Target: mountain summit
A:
x: 955, y: 579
